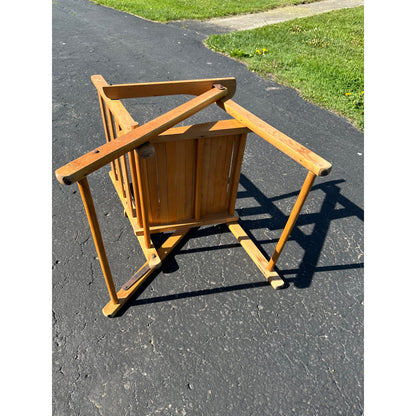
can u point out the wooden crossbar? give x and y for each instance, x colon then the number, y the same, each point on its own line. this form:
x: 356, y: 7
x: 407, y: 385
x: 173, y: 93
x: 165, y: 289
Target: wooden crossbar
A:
x: 153, y: 89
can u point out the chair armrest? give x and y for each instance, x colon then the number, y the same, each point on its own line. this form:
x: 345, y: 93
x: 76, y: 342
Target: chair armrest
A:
x: 290, y: 147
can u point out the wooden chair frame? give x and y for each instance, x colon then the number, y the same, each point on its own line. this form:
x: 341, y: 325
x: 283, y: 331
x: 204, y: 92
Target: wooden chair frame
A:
x: 148, y: 200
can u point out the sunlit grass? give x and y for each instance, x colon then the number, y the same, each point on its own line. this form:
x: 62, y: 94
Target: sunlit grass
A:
x: 165, y: 10
x: 321, y: 56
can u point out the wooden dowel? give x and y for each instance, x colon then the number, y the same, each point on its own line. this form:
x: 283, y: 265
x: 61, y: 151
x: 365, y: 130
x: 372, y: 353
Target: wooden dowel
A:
x: 306, y: 187
x: 96, y: 234
x: 103, y: 109
x: 144, y: 200
x: 126, y: 182
x: 136, y: 194
x: 123, y: 117
x: 117, y: 165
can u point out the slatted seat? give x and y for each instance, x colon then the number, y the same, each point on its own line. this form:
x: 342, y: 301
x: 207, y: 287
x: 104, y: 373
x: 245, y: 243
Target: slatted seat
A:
x: 170, y: 179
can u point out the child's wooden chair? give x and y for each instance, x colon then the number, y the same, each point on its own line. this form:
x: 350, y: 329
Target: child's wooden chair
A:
x: 170, y: 179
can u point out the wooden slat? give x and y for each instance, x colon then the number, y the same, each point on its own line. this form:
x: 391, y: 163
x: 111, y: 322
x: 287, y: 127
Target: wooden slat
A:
x: 218, y: 218
x: 228, y: 156
x: 212, y: 169
x: 90, y: 162
x: 221, y: 173
x: 153, y: 89
x: 190, y: 163
x: 205, y: 181
x: 180, y: 180
x: 154, y: 214
x: 198, y: 177
x: 290, y: 147
x: 212, y: 129
x: 238, y: 154
x: 171, y: 173
x: 162, y: 181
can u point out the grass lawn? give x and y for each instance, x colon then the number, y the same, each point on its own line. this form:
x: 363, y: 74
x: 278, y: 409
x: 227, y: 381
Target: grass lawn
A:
x: 165, y: 10
x: 321, y: 56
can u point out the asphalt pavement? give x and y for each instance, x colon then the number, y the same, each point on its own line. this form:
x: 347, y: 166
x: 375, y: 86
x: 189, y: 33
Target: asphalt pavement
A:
x: 208, y: 335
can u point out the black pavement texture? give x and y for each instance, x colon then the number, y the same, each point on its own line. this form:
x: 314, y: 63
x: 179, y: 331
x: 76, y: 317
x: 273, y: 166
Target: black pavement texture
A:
x: 208, y: 335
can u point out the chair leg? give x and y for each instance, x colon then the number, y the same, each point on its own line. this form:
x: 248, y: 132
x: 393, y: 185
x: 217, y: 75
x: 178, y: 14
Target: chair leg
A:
x: 98, y: 239
x: 306, y: 187
x: 128, y: 289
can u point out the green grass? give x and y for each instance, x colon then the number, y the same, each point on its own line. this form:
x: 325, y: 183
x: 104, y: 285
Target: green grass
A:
x: 165, y: 10
x: 321, y: 56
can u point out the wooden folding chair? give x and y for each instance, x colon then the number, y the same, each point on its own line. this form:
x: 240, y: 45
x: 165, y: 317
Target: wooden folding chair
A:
x: 170, y: 179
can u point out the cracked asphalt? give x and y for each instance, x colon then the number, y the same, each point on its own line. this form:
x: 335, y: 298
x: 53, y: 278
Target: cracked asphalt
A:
x: 207, y: 335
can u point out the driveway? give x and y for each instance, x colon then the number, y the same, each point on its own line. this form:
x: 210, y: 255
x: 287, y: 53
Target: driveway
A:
x: 208, y: 335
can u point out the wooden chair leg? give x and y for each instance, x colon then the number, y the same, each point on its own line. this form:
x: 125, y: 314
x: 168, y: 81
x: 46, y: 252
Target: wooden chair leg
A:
x: 128, y: 289
x: 98, y: 240
x: 306, y: 187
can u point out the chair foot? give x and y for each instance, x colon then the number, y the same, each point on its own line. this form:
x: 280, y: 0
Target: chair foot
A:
x: 128, y: 289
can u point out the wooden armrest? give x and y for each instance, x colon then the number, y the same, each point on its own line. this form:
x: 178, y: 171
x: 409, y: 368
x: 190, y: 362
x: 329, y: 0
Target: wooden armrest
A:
x: 90, y: 162
x: 153, y: 89
x: 290, y: 147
